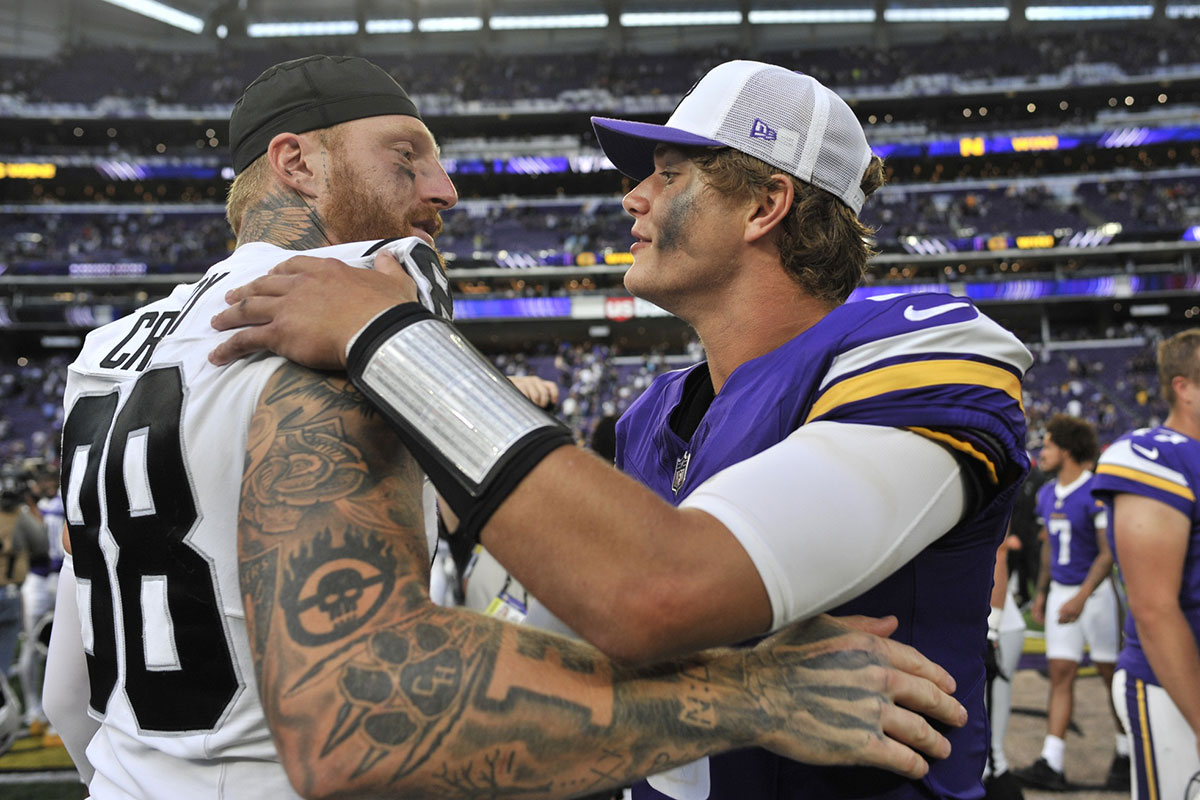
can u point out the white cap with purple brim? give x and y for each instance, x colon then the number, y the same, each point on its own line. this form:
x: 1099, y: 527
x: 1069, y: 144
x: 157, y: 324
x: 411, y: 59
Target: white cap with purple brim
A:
x: 787, y: 119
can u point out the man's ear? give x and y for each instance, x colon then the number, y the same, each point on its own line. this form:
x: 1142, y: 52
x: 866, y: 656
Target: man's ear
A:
x: 293, y: 159
x: 1185, y: 390
x: 771, y: 205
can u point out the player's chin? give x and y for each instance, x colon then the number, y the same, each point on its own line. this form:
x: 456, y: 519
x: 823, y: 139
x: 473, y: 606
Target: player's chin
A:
x: 638, y: 278
x: 652, y: 289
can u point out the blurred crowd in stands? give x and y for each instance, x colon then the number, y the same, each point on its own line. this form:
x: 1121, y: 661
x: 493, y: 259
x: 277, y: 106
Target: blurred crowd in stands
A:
x: 1113, y: 387
x: 152, y: 238
x: 85, y: 74
x: 1161, y: 205
x: 31, y: 414
x: 1139, y: 205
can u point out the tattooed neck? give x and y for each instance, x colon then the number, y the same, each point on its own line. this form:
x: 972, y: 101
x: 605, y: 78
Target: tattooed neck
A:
x: 283, y: 219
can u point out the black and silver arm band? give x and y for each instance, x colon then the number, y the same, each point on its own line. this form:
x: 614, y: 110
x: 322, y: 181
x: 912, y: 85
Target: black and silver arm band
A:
x: 475, y: 435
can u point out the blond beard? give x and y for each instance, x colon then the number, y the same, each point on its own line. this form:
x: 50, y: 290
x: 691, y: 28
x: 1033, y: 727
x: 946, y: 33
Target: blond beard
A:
x: 354, y: 216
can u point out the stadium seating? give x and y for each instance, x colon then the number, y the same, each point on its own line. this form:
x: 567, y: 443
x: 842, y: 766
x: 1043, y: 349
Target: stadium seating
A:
x: 1154, y: 206
x: 86, y: 74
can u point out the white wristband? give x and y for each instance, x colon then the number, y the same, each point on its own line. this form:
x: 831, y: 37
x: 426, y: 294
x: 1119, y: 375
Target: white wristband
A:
x: 456, y: 400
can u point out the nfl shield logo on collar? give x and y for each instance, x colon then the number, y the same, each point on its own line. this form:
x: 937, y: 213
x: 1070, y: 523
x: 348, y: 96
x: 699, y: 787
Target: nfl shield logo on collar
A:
x: 681, y: 465
x: 761, y: 130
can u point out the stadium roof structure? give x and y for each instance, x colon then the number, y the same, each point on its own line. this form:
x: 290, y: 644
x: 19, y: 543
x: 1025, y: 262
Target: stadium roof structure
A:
x: 27, y: 26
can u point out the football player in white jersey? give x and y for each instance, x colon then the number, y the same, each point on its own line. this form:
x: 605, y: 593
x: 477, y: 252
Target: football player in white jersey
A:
x: 286, y: 645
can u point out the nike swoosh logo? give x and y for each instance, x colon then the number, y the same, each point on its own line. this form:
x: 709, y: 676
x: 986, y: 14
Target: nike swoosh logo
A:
x: 914, y: 314
x: 1151, y: 453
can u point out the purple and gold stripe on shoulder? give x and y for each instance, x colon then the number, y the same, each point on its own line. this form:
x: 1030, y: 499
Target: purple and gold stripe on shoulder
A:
x: 917, y: 372
x: 1127, y: 461
x: 1143, y: 478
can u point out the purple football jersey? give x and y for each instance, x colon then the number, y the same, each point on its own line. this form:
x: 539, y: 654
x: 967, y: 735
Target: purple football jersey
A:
x: 1164, y: 465
x: 932, y: 364
x: 1070, y: 520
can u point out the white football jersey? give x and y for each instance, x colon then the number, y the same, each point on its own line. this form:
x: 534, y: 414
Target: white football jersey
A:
x: 153, y: 450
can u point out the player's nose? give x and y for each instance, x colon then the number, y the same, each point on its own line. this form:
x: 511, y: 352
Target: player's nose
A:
x: 439, y: 190
x: 636, y: 202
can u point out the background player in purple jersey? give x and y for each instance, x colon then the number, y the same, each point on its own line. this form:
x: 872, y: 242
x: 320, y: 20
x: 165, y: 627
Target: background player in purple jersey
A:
x: 1149, y: 478
x: 1075, y: 598
x: 860, y: 456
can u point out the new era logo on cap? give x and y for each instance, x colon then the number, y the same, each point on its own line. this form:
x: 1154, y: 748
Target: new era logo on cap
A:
x: 761, y: 130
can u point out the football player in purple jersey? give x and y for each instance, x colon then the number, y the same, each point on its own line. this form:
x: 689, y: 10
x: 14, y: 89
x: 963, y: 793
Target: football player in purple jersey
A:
x: 828, y: 455
x: 1149, y: 479
x: 1075, y: 600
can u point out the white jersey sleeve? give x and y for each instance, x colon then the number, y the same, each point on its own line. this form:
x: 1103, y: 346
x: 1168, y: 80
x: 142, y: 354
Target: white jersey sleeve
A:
x: 65, y: 688
x: 873, y: 498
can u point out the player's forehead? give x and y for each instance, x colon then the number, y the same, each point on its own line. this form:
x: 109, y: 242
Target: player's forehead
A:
x: 668, y: 154
x: 396, y: 128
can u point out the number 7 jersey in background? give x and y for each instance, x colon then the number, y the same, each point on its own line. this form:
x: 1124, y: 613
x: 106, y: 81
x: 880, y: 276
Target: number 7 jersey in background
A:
x: 1071, y: 517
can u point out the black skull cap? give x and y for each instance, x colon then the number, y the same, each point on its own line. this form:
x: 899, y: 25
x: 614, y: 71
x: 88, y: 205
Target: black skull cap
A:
x: 307, y: 94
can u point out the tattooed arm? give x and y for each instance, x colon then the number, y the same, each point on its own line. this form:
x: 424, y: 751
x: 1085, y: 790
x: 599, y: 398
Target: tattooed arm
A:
x: 371, y: 690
